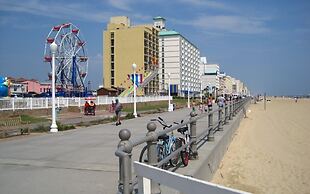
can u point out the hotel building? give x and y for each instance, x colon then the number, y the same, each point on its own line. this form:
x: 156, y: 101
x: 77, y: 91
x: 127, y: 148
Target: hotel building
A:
x: 124, y: 45
x: 178, y: 58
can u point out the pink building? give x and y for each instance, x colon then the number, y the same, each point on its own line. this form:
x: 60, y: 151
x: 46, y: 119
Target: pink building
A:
x: 32, y: 86
x: 45, y: 87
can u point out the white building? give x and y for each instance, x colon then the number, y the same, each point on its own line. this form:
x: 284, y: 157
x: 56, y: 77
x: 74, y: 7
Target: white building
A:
x: 179, y: 58
x: 210, y: 78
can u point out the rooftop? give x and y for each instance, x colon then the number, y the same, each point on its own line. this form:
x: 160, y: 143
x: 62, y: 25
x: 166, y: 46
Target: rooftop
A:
x: 159, y: 18
x: 168, y: 33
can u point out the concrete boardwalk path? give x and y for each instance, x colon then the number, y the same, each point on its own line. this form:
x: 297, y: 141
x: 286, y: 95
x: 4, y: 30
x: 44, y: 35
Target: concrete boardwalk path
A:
x: 75, y: 161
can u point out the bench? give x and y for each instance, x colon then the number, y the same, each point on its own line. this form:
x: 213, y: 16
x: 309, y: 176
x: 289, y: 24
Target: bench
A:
x: 12, y: 126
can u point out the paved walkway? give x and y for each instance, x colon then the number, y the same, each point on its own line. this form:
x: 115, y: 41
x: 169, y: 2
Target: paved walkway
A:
x: 74, y: 161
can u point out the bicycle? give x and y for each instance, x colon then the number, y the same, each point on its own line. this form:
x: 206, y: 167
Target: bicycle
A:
x: 165, y: 146
x: 185, y: 140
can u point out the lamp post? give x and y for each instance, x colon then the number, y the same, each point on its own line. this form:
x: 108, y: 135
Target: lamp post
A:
x: 54, y: 128
x: 200, y: 92
x: 170, y: 107
x: 188, y: 104
x: 134, y: 66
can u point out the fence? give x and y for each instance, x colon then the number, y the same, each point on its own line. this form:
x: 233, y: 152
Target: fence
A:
x: 125, y: 146
x: 44, y: 103
x: 182, y: 183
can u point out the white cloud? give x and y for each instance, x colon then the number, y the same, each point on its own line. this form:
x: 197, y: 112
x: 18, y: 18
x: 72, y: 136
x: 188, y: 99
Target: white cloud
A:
x: 209, y: 4
x: 231, y: 24
x: 121, y: 4
x: 55, y: 10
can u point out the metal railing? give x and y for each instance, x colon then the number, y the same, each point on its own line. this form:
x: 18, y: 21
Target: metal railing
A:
x: 45, y: 103
x: 125, y: 146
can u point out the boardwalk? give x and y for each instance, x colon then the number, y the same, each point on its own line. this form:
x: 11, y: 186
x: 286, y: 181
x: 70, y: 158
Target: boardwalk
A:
x: 271, y: 150
x: 71, y: 162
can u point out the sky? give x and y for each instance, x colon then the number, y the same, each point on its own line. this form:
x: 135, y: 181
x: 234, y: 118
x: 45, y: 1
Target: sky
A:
x: 265, y: 43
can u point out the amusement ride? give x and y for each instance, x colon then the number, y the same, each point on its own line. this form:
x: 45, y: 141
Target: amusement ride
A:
x: 71, y: 61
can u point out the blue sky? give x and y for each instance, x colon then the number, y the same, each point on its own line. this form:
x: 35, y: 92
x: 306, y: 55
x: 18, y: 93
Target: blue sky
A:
x: 264, y: 43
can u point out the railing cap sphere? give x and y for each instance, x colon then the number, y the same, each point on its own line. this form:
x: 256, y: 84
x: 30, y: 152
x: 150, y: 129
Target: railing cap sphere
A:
x: 151, y: 126
x: 124, y: 134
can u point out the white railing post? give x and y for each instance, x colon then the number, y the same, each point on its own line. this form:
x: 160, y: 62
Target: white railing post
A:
x: 57, y: 102
x: 67, y: 102
x: 79, y: 101
x: 30, y: 103
x: 46, y: 102
x: 13, y: 104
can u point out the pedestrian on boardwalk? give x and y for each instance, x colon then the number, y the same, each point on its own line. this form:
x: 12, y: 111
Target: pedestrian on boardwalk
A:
x: 118, y: 109
x: 86, y: 106
x: 209, y: 103
x: 112, y: 107
x: 221, y: 101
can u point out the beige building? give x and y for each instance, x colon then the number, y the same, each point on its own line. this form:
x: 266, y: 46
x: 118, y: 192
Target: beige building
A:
x: 124, y: 45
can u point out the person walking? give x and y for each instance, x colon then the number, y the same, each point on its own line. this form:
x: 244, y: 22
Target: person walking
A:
x: 118, y: 109
x: 209, y: 103
x: 221, y: 101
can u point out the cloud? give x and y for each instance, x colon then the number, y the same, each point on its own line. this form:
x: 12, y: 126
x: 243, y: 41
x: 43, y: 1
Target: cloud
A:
x: 208, y: 4
x: 55, y: 10
x: 121, y: 4
x: 231, y: 24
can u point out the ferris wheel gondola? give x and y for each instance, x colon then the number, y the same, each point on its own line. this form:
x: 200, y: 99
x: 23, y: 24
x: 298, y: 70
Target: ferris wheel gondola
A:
x: 71, y: 64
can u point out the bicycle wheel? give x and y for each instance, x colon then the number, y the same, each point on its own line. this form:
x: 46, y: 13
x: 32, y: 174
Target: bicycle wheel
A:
x: 175, y: 160
x: 184, y: 154
x: 143, y: 155
x: 161, y: 155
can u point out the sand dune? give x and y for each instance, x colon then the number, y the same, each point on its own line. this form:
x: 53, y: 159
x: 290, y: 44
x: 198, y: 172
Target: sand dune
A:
x: 270, y: 152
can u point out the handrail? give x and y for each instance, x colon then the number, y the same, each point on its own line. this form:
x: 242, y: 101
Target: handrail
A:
x: 125, y: 145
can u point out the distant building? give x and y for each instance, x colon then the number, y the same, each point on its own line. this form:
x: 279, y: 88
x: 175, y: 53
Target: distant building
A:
x: 179, y: 58
x: 22, y: 86
x: 210, y: 77
x: 124, y: 45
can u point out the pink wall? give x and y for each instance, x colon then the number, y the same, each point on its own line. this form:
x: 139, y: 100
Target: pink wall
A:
x: 45, y: 88
x: 32, y: 86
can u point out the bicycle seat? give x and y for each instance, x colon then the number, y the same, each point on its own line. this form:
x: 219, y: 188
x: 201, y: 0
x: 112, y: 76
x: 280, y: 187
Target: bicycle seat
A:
x: 163, y: 137
x: 182, y: 129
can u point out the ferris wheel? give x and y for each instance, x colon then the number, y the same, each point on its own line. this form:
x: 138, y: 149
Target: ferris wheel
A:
x: 71, y: 61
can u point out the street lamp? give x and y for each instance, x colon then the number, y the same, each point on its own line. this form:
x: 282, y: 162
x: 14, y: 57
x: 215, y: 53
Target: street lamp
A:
x: 54, y: 128
x: 200, y: 92
x: 134, y: 66
x: 170, y: 107
x: 188, y: 104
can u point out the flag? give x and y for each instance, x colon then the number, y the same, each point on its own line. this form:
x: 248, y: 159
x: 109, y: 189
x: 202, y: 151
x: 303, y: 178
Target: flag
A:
x: 138, y: 78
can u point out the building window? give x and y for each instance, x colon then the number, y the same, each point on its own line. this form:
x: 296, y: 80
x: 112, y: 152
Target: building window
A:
x: 112, y: 42
x: 112, y: 57
x: 112, y: 65
x: 112, y: 82
x: 112, y: 35
x: 112, y: 50
x: 112, y: 74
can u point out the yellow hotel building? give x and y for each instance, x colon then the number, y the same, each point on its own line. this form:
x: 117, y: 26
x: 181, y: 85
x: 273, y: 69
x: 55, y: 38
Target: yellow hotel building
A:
x: 124, y: 45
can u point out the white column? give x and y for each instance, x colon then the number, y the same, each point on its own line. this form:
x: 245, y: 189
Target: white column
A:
x: 134, y: 66
x: 54, y: 128
x: 170, y: 107
x: 188, y: 103
x: 201, y: 92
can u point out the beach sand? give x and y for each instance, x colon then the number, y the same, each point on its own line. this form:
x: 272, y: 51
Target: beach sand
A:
x: 270, y: 152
